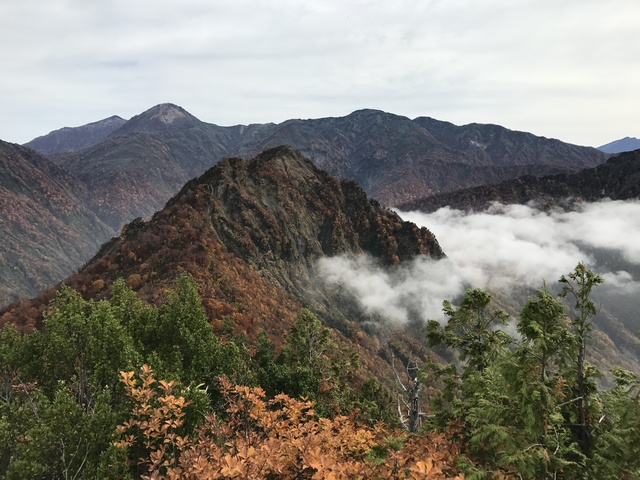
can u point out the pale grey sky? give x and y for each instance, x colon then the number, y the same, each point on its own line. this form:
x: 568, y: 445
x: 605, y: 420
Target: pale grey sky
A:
x: 568, y: 69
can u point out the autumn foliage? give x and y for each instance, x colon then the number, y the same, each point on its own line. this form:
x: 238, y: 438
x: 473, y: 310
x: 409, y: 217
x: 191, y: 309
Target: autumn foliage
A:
x: 260, y: 438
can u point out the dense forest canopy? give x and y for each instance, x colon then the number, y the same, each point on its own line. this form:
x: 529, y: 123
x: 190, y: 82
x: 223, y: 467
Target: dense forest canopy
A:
x: 120, y: 388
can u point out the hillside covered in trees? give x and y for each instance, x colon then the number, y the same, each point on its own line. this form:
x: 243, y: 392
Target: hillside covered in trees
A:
x: 200, y: 344
x: 121, y: 388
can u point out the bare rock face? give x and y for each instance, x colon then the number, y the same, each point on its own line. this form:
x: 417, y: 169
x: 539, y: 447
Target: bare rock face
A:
x: 281, y: 213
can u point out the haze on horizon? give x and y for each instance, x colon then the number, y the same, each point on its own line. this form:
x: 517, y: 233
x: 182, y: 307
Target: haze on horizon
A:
x: 565, y: 70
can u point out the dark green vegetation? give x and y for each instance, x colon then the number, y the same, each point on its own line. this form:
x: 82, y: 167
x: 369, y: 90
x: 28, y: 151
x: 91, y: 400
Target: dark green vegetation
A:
x: 529, y: 407
x: 61, y: 398
x: 514, y: 408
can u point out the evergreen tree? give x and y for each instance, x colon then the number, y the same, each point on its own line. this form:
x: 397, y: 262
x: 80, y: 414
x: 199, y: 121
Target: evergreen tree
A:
x: 472, y: 330
x: 578, y: 285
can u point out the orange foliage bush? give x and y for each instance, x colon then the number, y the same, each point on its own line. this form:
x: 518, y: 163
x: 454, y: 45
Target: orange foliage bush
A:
x: 272, y: 439
x: 97, y: 285
x: 134, y: 280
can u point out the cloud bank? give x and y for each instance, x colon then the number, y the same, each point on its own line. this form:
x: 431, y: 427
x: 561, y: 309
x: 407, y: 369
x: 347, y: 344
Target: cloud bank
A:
x: 500, y: 249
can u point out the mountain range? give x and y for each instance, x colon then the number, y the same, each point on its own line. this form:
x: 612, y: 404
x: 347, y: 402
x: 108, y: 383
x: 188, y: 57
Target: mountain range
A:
x: 119, y: 170
x: 394, y: 159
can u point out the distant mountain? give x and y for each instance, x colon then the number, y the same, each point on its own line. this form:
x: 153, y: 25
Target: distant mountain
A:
x: 626, y: 144
x: 46, y: 229
x: 128, y: 177
x: 70, y: 139
x: 251, y: 233
x: 617, y: 179
x: 396, y: 159
x: 393, y: 158
x: 194, y: 145
x: 495, y: 145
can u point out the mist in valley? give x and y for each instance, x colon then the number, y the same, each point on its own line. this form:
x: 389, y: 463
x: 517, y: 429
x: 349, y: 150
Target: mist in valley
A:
x: 506, y: 250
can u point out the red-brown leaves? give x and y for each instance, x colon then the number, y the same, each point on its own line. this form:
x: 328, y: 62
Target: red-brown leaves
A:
x: 279, y: 438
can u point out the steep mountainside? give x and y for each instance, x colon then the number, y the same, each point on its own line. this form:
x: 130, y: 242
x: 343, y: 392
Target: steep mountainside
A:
x: 251, y: 233
x: 626, y: 144
x: 617, y: 179
x: 128, y: 177
x: 45, y: 227
x: 69, y: 139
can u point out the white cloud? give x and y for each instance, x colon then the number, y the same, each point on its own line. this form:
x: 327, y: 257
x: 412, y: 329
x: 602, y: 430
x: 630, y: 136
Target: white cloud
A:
x: 500, y: 249
x: 539, y: 66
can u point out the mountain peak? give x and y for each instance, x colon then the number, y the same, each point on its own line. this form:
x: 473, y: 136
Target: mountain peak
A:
x: 167, y: 113
x: 159, y: 118
x: 626, y: 144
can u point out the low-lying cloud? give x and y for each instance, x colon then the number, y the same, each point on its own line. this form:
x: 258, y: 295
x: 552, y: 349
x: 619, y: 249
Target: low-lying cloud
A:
x: 502, y: 248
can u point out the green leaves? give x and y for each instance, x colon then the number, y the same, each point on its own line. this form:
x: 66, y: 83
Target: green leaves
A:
x: 471, y: 330
x: 531, y: 409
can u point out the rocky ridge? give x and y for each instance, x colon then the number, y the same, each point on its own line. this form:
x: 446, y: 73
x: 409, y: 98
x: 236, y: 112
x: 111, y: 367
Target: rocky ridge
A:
x: 251, y: 233
x: 617, y: 179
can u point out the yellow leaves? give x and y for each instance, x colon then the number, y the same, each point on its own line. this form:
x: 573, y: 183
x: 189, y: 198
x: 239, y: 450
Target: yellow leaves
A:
x: 277, y: 439
x: 424, y: 469
x: 233, y: 467
x: 127, y: 378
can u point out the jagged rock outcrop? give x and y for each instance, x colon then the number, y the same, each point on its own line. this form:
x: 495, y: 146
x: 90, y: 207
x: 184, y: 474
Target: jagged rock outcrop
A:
x: 251, y: 232
x: 281, y: 213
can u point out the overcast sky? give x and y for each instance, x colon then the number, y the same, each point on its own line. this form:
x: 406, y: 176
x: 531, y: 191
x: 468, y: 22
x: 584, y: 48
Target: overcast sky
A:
x: 568, y: 69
